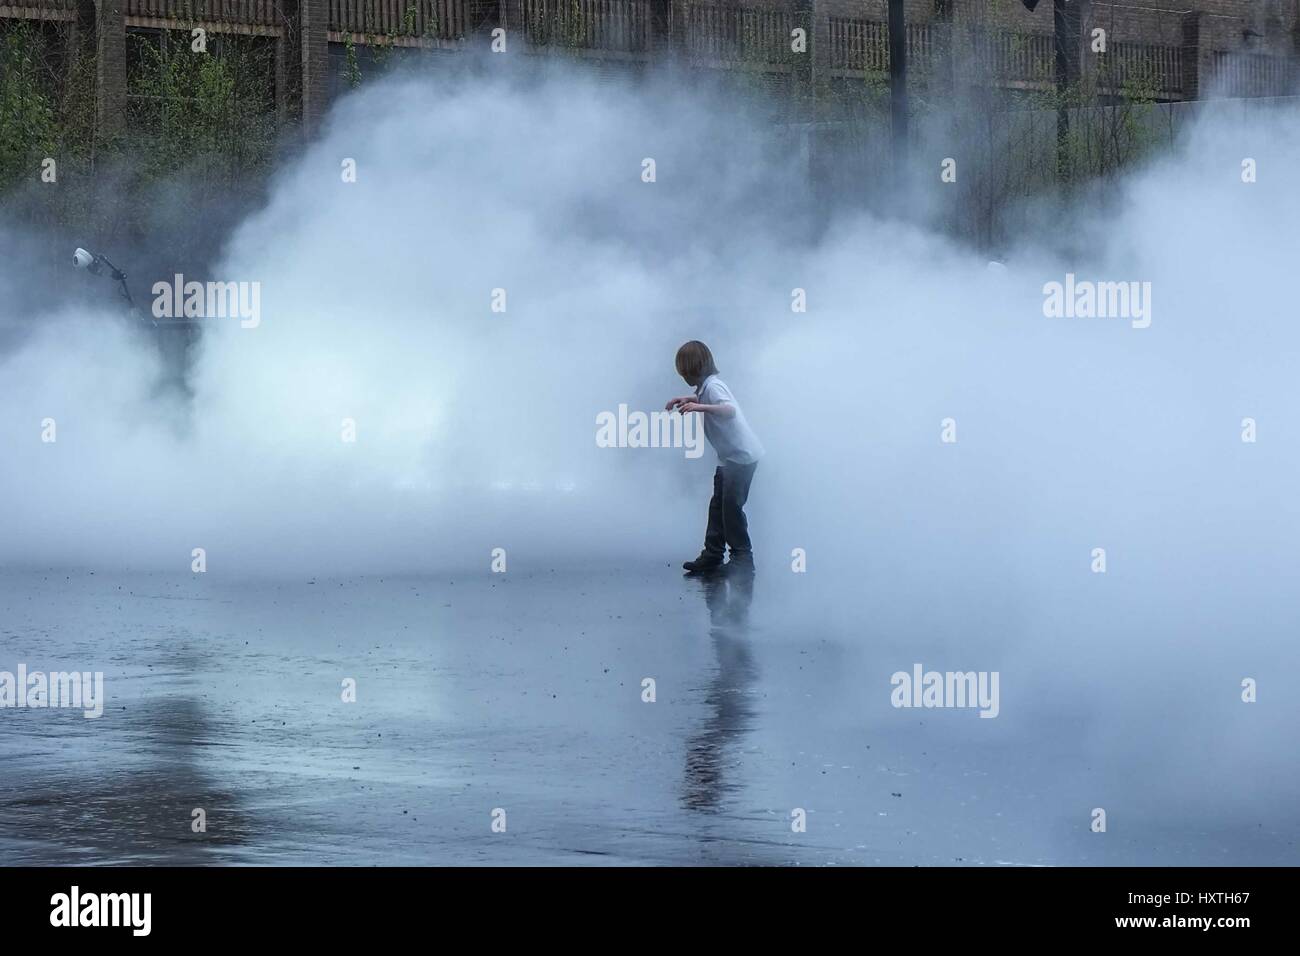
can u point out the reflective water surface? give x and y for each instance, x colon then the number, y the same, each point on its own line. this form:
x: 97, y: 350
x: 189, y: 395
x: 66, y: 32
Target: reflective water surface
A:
x: 630, y: 716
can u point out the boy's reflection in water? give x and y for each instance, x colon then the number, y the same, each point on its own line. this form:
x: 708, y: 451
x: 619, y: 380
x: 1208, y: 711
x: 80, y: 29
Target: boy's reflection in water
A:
x: 728, y: 595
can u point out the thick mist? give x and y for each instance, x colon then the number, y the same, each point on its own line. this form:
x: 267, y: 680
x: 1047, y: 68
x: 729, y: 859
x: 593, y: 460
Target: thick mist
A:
x: 475, y: 429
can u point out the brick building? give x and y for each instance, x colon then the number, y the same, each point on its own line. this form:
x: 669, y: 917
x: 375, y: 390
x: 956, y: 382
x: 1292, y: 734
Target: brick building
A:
x: 1180, y: 49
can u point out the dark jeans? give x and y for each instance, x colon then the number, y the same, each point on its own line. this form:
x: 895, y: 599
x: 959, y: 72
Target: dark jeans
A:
x: 727, y: 525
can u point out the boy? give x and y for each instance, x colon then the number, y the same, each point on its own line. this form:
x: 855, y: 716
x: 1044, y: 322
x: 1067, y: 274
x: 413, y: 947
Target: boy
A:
x: 738, y: 453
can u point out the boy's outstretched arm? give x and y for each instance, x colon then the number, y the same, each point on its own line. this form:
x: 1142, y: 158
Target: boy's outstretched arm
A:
x: 722, y: 411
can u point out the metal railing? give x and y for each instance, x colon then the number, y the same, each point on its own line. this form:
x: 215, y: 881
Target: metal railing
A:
x: 732, y: 34
x: 1142, y: 65
x: 435, y: 19
x: 1250, y: 74
x: 616, y: 25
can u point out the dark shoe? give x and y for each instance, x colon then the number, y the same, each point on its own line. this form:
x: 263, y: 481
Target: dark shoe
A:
x: 741, y: 562
x: 705, y: 562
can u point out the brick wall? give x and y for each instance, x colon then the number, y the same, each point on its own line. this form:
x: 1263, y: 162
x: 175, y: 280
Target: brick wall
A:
x: 1241, y: 39
x: 1275, y: 19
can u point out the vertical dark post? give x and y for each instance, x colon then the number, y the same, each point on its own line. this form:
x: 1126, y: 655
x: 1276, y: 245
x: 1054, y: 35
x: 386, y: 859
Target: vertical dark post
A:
x: 514, y: 20
x: 945, y: 53
x: 898, y: 85
x: 110, y: 80
x: 313, y: 40
x: 1062, y: 117
x: 811, y: 16
x: 288, y: 76
x: 1067, y: 31
x: 659, y: 37
x: 1191, y: 55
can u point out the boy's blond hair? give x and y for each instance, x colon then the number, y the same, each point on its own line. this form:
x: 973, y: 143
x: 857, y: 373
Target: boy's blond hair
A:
x: 695, y: 362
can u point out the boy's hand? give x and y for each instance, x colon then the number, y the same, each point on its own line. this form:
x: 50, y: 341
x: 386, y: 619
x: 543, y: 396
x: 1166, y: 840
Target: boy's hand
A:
x: 673, y: 402
x: 687, y: 407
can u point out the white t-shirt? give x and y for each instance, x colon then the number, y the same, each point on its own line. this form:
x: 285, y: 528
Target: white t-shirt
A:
x: 731, y: 438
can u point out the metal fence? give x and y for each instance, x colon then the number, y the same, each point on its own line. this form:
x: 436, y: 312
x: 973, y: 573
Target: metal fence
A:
x: 1250, y: 74
x: 621, y: 26
x: 712, y: 31
x: 439, y: 19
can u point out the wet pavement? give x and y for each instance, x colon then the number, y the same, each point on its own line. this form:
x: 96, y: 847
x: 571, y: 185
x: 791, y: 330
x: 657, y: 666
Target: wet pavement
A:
x: 527, y: 693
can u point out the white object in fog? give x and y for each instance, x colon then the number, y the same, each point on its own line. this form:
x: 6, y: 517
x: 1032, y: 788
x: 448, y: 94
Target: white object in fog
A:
x: 82, y: 259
